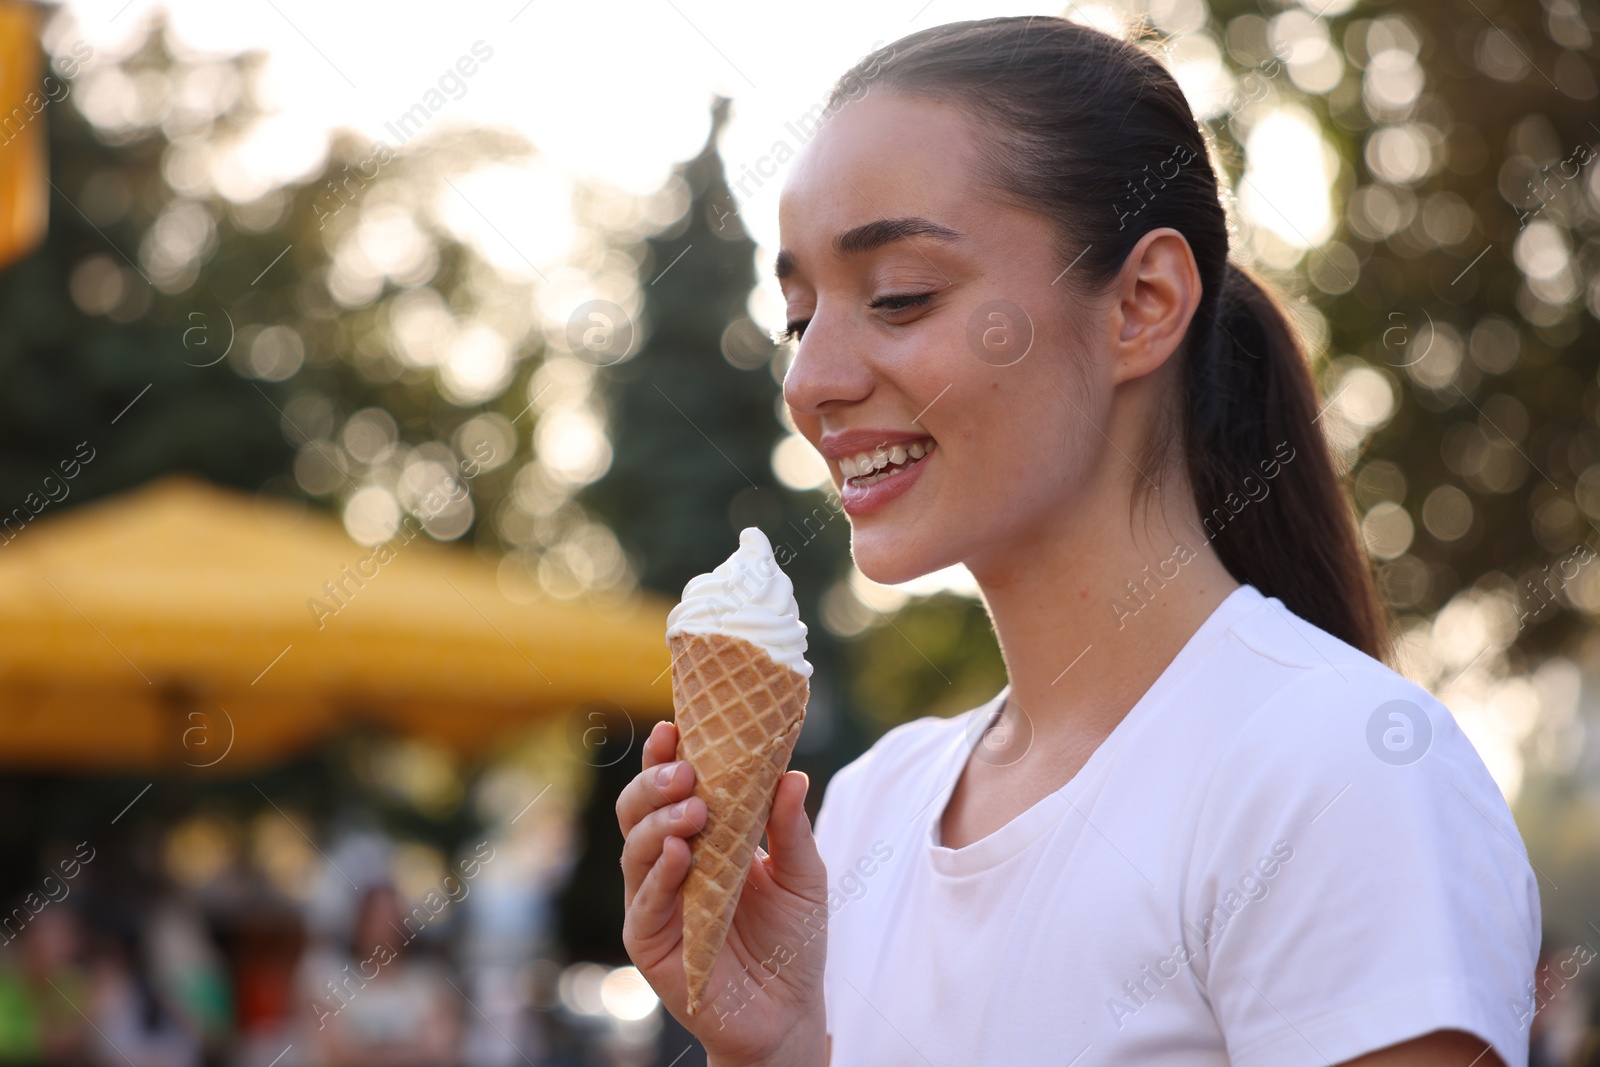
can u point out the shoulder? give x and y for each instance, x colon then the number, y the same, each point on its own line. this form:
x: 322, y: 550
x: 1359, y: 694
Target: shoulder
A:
x: 1329, y: 725
x: 1332, y: 711
x: 1352, y: 852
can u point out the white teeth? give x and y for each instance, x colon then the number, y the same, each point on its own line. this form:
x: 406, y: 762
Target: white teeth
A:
x: 866, y: 468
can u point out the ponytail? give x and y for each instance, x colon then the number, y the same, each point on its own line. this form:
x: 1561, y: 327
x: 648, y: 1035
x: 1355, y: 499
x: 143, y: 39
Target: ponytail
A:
x: 1095, y: 134
x: 1270, y: 500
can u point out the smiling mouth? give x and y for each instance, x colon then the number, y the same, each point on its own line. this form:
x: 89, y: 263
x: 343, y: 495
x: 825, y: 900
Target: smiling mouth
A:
x: 868, y: 468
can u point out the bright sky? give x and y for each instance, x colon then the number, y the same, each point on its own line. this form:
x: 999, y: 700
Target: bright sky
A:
x: 611, y: 90
x: 614, y: 90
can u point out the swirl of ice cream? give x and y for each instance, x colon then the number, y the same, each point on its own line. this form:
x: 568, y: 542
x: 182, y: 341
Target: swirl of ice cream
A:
x: 748, y: 597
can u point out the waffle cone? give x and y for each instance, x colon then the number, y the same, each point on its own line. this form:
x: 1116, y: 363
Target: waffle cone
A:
x: 738, y: 716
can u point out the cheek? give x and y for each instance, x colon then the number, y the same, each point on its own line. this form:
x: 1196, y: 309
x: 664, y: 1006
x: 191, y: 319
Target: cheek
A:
x: 1032, y: 441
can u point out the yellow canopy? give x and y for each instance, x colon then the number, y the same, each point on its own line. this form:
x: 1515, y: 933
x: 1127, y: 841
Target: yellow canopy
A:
x: 183, y: 624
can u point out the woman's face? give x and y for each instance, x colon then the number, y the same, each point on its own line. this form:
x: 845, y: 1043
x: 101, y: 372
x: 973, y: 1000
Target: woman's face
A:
x: 934, y: 327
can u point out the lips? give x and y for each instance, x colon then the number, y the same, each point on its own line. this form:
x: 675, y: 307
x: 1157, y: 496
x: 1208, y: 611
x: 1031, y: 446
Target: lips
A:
x: 867, y: 468
x: 876, y: 466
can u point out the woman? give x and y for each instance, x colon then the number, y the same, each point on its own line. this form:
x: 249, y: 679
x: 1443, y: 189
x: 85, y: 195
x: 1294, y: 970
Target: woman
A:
x: 1203, y: 823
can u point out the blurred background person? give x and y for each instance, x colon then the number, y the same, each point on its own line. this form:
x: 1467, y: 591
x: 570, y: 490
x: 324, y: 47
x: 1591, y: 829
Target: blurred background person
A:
x: 44, y: 997
x: 133, y: 1023
x: 382, y: 1001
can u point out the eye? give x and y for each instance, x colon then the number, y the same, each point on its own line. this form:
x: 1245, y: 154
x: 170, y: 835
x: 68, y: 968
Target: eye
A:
x: 900, y: 303
x: 892, y: 303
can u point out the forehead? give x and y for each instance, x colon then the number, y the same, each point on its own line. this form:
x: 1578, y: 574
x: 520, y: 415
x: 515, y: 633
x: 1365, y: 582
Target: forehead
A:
x: 887, y: 155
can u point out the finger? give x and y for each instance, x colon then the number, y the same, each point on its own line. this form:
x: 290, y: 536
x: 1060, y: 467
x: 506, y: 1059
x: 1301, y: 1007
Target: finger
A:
x: 655, y: 784
x: 651, y: 790
x: 656, y: 902
x: 662, y: 744
x: 794, y: 861
x: 644, y: 843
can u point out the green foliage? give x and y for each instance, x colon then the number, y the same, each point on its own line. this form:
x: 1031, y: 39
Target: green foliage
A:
x: 691, y: 432
x: 1493, y: 372
x: 254, y: 356
x: 71, y: 375
x: 693, y: 423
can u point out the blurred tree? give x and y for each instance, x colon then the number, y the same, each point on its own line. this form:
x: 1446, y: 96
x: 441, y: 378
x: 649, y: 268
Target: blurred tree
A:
x: 1458, y: 298
x: 312, y: 341
x: 89, y: 357
x: 694, y: 418
x: 693, y: 414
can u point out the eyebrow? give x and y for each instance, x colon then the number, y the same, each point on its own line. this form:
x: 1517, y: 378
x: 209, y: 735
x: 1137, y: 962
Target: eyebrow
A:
x: 874, y: 235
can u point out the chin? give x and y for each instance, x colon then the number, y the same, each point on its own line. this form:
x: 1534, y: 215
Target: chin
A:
x: 890, y: 556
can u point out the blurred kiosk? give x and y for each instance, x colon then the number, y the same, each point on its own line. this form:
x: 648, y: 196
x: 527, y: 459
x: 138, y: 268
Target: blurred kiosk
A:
x: 183, y: 625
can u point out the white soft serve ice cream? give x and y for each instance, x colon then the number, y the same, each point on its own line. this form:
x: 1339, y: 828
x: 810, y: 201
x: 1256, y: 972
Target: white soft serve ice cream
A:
x: 748, y: 597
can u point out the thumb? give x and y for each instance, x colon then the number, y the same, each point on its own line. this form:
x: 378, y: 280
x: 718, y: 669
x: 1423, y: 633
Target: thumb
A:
x: 795, y: 862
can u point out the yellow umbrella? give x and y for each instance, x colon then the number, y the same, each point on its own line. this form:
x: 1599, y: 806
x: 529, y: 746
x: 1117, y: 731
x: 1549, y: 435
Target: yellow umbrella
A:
x: 183, y: 624
x: 24, y: 203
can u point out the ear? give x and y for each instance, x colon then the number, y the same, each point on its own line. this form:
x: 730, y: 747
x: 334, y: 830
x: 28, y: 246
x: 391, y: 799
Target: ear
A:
x: 1156, y: 294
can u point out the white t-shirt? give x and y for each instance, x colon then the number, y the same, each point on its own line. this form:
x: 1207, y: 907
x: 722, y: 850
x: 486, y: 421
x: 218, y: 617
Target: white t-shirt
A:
x: 1285, y: 854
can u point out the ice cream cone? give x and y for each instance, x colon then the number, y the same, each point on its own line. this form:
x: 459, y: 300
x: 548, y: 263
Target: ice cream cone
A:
x: 739, y: 684
x: 738, y: 715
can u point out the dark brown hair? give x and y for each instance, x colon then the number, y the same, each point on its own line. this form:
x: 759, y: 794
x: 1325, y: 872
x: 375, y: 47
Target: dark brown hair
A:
x: 1094, y: 134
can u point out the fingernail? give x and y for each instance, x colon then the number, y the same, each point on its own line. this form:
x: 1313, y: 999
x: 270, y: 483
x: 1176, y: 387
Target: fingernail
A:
x: 677, y: 810
x: 665, y: 772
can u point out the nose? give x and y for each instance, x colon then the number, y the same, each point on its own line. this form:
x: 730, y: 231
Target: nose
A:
x: 828, y: 371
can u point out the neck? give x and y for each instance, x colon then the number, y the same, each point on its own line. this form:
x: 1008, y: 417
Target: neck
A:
x: 1088, y: 616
